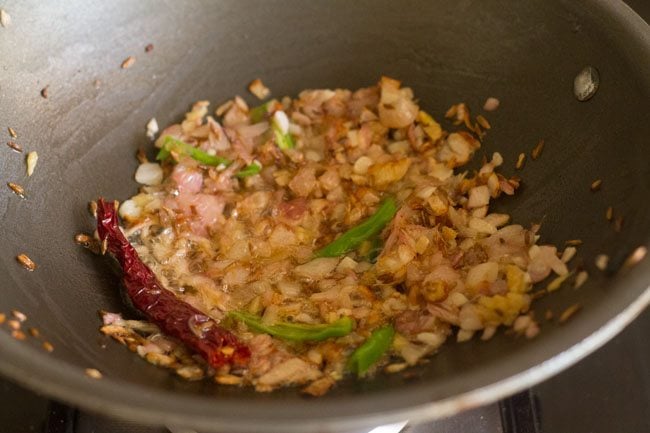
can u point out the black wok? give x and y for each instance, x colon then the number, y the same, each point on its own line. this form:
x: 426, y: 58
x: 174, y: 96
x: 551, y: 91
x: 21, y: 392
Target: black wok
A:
x: 87, y: 130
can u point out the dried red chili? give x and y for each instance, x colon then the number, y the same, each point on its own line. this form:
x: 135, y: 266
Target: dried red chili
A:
x: 176, y: 318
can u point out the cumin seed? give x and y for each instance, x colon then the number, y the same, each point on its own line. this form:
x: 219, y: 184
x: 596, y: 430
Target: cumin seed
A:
x: 17, y: 189
x: 537, y: 150
x: 26, y: 262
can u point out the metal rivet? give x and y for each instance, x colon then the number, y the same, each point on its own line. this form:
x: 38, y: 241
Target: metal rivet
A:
x: 586, y: 83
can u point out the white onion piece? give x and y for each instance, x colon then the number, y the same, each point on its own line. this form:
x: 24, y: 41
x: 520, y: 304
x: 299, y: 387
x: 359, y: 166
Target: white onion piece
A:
x: 431, y: 339
x: 497, y: 219
x: 481, y: 226
x: 362, y: 164
x: 281, y: 121
x: 440, y: 171
x: 468, y: 318
x: 149, y: 173
x: 396, y: 108
x: 459, y: 145
x: 568, y: 254
x: 293, y: 370
x: 497, y: 159
x: 457, y: 299
x: 491, y: 104
x: 129, y: 210
x: 289, y: 288
x: 152, y: 128
x: 464, y: 335
x: 412, y: 352
x: 400, y: 114
x: 484, y: 273
x: 111, y: 318
x: 347, y: 264
x: 478, y: 196
x: 317, y: 268
x: 252, y: 131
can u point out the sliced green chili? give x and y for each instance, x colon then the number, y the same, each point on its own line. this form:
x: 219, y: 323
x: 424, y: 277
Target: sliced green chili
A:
x: 284, y: 141
x: 371, y: 350
x: 351, y: 239
x: 258, y: 113
x: 249, y: 170
x: 171, y: 144
x: 296, y: 331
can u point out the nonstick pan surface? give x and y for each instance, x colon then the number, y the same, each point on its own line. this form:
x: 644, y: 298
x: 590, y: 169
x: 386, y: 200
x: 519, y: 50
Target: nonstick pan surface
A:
x: 87, y: 130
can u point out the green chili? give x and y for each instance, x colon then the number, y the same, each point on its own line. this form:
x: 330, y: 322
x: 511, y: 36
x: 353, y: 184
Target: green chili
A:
x: 284, y: 141
x: 171, y: 144
x: 351, y: 239
x: 249, y: 170
x: 371, y: 350
x: 296, y: 331
x: 258, y: 113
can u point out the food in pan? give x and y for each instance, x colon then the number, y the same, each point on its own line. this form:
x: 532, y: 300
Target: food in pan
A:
x: 306, y: 239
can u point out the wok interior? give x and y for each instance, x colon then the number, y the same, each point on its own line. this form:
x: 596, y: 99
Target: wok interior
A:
x: 86, y: 133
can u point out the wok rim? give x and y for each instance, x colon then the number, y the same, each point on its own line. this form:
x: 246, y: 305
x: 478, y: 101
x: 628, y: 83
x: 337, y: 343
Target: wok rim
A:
x: 38, y: 371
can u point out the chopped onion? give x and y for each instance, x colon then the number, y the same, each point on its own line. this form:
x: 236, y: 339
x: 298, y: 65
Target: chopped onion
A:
x: 440, y: 171
x: 289, y: 288
x: 111, y: 318
x: 521, y: 323
x: 469, y: 319
x: 431, y: 339
x: 149, y: 173
x: 347, y: 264
x: 152, y: 128
x: 478, y: 196
x: 602, y: 260
x: 362, y: 164
x: 497, y: 219
x: 396, y: 109
x: 258, y: 89
x: 484, y: 273
x: 491, y: 104
x: 317, y: 268
x: 464, y: 335
x: 481, y: 226
x: 568, y: 254
x: 252, y: 131
x: 581, y: 278
x: 129, y: 210
x: 457, y: 299
x: 488, y: 332
x: 32, y: 159
x: 294, y: 370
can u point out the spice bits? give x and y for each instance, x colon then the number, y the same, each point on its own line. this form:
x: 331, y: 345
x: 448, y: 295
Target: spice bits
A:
x: 17, y: 189
x: 537, y: 150
x: 5, y: 18
x: 15, y: 146
x: 93, y: 373
x: 26, y: 262
x: 128, y: 62
x: 15, y: 326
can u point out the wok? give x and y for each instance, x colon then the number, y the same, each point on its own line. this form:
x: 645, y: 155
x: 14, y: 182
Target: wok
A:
x: 87, y: 130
